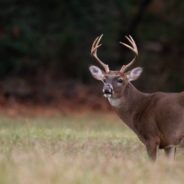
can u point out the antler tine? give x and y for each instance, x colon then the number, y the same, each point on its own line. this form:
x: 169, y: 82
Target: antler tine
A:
x: 133, y: 47
x: 96, y: 44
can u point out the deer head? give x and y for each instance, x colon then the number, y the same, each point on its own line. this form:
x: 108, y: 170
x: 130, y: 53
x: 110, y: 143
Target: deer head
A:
x: 114, y: 81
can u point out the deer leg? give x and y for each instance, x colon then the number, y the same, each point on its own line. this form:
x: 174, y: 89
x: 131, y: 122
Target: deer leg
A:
x: 170, y: 152
x: 152, y: 151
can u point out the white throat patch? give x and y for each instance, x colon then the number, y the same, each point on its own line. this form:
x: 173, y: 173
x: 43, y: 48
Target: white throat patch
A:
x: 115, y: 102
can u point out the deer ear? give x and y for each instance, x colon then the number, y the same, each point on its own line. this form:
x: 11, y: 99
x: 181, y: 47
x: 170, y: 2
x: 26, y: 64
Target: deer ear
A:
x: 134, y: 73
x: 96, y: 72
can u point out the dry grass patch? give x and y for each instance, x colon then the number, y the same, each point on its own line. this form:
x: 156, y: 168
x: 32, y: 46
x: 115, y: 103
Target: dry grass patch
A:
x: 90, y: 149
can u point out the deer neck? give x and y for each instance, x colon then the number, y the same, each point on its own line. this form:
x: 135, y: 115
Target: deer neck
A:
x: 129, y: 97
x: 131, y: 101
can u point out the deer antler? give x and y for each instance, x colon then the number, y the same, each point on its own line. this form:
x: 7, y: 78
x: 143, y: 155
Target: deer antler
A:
x: 133, y: 47
x: 96, y: 44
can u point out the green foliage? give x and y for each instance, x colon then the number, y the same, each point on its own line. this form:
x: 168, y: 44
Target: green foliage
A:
x: 55, y: 36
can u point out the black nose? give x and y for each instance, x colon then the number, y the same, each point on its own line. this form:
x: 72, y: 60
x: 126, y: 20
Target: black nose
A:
x: 107, y: 91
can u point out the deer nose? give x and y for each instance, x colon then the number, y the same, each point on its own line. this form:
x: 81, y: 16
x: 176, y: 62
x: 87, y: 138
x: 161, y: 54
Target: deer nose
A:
x: 107, y: 89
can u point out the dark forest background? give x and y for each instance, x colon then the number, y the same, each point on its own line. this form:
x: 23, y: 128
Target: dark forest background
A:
x: 45, y: 45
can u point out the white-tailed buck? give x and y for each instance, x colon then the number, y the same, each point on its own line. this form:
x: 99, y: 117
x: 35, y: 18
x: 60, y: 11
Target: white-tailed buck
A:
x: 157, y: 118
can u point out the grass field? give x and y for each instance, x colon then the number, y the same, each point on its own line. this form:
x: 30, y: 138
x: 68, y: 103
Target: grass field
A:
x: 89, y: 149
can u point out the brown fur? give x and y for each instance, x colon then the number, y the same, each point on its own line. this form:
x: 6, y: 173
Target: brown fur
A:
x: 156, y: 118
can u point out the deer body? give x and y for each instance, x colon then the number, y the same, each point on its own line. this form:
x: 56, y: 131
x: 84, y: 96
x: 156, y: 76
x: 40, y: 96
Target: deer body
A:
x: 157, y: 118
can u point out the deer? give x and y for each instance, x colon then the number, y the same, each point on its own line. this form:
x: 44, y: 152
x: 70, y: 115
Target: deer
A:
x: 156, y: 118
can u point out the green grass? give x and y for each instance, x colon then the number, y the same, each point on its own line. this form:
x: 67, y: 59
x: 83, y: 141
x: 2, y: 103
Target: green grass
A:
x: 89, y: 149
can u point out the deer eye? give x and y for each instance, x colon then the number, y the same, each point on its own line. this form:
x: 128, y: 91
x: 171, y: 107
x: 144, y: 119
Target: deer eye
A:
x: 120, y: 80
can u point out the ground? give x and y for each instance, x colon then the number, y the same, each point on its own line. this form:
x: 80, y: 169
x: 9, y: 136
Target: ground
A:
x: 90, y: 148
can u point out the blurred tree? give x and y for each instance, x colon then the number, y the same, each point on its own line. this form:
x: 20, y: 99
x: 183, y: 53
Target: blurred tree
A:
x: 54, y: 38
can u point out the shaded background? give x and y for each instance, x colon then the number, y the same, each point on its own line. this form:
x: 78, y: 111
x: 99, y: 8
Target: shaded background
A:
x: 45, y: 47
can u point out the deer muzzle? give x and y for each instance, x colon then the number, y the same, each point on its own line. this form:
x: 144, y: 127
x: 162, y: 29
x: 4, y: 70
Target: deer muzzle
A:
x: 107, y: 90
